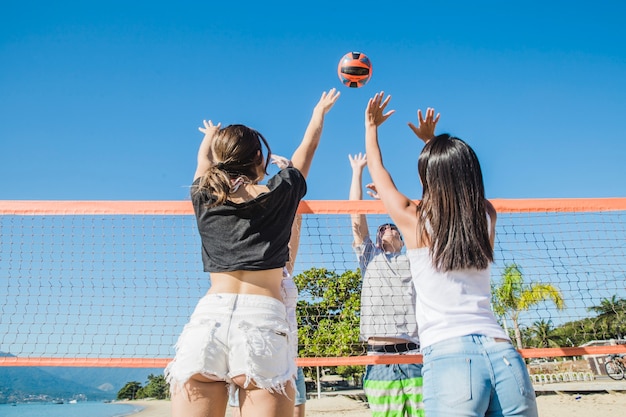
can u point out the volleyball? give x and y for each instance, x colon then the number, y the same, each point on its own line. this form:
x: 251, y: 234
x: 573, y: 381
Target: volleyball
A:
x: 355, y: 69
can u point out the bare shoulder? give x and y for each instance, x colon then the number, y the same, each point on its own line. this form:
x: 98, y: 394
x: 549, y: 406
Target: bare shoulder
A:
x: 491, y: 210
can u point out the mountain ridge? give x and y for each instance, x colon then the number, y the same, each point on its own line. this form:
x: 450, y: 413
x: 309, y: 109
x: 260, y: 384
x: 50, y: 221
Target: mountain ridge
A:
x: 19, y: 383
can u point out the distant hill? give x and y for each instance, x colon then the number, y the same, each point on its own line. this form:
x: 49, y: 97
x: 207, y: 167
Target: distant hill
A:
x: 18, y: 383
x: 22, y: 383
x: 104, y: 379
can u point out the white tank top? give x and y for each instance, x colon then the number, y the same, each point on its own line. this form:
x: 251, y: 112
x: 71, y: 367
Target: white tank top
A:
x: 451, y: 304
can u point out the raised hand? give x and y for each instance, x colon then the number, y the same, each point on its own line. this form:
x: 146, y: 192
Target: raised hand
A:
x: 209, y: 128
x: 280, y: 161
x: 425, y: 130
x: 373, y: 192
x: 375, y: 111
x: 327, y: 101
x: 358, y: 162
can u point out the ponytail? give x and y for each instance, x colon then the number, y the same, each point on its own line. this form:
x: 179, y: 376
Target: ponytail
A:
x: 214, y: 183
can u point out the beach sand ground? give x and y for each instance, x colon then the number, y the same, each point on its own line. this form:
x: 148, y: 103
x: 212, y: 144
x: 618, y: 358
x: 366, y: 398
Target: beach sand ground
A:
x: 550, y: 405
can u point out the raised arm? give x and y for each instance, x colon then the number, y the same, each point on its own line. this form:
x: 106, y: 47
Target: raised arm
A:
x: 303, y: 156
x: 359, y: 221
x: 400, y: 208
x: 205, y: 152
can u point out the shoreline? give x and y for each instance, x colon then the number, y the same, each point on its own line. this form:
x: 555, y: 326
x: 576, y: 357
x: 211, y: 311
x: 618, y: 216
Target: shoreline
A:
x: 549, y: 405
x: 151, y: 408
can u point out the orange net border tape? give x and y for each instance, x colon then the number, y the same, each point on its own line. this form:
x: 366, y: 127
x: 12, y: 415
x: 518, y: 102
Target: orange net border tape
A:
x: 329, y: 361
x: 46, y: 207
x: 105, y: 207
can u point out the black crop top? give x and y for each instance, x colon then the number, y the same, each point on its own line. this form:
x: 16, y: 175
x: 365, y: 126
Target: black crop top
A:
x: 253, y: 235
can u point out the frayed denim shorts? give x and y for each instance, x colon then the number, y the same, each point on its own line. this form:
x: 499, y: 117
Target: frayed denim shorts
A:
x: 236, y: 334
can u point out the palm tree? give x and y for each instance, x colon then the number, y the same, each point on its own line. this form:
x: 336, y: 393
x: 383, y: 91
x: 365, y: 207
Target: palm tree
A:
x: 611, y: 314
x: 512, y: 297
x: 543, y: 334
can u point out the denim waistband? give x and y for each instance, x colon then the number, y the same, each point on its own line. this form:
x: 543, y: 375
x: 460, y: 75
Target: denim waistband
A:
x: 454, y: 343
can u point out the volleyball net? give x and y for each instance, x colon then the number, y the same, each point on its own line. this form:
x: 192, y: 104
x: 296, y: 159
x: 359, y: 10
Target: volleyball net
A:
x: 112, y: 283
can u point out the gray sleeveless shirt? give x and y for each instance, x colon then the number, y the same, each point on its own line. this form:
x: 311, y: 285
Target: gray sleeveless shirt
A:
x: 387, y: 294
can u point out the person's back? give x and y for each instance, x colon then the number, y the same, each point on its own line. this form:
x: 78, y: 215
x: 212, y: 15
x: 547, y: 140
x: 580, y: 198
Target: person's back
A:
x: 468, y: 291
x: 244, y: 228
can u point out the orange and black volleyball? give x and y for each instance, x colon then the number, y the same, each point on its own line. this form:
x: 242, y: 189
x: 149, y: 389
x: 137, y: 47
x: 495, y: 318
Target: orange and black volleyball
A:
x: 355, y: 69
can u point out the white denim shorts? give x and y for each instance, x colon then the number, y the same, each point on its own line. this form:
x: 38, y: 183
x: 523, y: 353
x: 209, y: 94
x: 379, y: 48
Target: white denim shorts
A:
x: 235, y: 334
x: 290, y: 299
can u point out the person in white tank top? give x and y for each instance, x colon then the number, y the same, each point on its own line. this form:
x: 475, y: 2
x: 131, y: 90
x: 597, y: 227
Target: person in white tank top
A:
x: 470, y: 366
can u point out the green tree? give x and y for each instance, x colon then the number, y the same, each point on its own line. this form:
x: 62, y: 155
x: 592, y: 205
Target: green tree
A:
x: 328, y: 315
x: 611, y: 317
x: 129, y: 391
x: 543, y: 334
x: 576, y: 333
x: 157, y: 387
x: 512, y: 296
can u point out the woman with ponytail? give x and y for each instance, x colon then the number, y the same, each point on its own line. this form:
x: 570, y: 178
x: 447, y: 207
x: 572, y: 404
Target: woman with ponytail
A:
x: 238, y: 336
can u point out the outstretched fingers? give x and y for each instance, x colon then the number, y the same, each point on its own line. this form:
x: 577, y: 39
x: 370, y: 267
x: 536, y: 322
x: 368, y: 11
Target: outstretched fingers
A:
x: 358, y: 161
x: 209, y: 127
x: 375, y: 111
x: 328, y: 100
x: 425, y: 130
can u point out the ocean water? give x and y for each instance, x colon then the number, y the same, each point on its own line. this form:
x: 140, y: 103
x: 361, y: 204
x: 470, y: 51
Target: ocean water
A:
x: 80, y: 409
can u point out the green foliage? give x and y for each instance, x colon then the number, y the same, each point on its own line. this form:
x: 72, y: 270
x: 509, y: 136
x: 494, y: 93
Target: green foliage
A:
x: 611, y: 319
x: 512, y: 296
x: 329, y: 316
x: 544, y: 335
x: 129, y: 391
x: 156, y: 387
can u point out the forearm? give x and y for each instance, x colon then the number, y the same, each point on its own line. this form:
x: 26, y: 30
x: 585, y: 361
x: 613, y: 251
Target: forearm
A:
x: 374, y: 156
x: 205, y: 153
x: 381, y: 177
x: 356, y: 192
x: 303, y: 156
x: 359, y: 222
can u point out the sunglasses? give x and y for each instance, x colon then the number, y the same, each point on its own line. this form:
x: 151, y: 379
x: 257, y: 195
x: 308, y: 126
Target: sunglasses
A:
x: 387, y: 225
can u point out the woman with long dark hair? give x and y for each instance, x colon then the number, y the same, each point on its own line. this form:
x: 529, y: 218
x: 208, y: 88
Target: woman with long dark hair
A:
x: 470, y: 366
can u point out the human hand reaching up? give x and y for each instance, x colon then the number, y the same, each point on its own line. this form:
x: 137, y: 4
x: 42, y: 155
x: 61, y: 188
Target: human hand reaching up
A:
x: 425, y: 130
x: 280, y: 161
x: 209, y: 128
x: 373, y: 192
x: 375, y: 111
x: 327, y: 101
x: 358, y: 162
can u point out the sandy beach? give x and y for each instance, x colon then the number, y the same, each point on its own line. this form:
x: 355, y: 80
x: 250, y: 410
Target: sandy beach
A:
x: 550, y: 405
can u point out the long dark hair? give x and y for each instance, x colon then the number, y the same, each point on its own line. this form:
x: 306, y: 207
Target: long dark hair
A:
x: 452, y: 212
x: 236, y: 152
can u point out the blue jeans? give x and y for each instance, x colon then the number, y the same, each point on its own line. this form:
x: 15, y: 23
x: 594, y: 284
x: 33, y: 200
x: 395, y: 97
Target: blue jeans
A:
x: 476, y: 376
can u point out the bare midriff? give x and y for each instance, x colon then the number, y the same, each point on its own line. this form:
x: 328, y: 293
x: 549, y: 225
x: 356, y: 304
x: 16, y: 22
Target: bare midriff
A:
x: 267, y: 282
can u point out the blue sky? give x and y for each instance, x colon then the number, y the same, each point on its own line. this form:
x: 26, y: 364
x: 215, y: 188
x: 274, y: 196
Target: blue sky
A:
x: 102, y: 100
